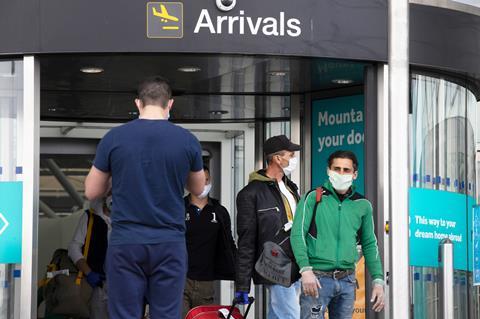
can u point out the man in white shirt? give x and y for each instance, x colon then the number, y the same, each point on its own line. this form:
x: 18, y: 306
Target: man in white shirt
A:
x: 93, y: 266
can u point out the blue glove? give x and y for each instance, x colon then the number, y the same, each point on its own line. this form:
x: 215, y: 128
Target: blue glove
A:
x: 241, y: 297
x: 94, y: 279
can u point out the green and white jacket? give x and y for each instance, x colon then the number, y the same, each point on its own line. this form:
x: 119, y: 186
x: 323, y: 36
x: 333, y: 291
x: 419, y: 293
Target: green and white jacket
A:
x: 331, y: 243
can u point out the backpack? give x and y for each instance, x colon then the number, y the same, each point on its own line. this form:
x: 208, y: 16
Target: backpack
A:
x: 64, y: 289
x: 277, y: 262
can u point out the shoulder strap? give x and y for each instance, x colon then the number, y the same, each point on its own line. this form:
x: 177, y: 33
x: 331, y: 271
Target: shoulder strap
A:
x: 86, y: 247
x: 318, y: 193
x: 312, y: 230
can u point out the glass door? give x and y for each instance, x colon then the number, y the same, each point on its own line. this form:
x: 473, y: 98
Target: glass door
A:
x: 11, y: 105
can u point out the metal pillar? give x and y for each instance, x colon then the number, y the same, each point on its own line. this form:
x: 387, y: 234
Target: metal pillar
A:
x: 31, y: 169
x: 260, y: 290
x: 62, y: 179
x: 46, y: 209
x: 398, y: 59
x: 445, y: 258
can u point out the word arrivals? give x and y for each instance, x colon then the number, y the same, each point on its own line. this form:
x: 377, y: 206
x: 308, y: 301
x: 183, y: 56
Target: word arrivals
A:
x: 242, y: 24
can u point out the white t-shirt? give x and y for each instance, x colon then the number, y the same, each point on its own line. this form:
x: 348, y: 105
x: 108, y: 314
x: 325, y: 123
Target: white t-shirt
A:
x: 289, y: 196
x: 75, y: 251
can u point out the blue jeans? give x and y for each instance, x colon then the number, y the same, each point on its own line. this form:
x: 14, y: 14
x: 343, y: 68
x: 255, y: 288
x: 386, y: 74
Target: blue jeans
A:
x: 338, y: 295
x: 283, y: 302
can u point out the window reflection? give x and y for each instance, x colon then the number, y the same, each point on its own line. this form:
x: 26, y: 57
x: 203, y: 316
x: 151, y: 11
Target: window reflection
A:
x: 444, y: 138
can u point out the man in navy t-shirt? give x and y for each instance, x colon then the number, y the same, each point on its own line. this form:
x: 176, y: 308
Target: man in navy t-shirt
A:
x: 150, y: 161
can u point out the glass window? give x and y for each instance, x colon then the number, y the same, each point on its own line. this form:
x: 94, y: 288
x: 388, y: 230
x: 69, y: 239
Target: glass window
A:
x: 11, y: 104
x: 444, y: 138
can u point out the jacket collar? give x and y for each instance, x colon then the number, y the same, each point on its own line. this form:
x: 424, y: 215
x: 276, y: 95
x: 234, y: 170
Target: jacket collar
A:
x: 328, y: 186
x: 188, y: 201
x: 261, y: 176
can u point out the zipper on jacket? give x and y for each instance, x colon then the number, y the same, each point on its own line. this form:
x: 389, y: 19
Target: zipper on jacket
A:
x: 267, y: 209
x: 338, y: 232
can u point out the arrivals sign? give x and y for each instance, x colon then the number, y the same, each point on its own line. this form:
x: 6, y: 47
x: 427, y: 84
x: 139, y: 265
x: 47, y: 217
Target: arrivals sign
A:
x: 337, y: 124
x: 435, y: 215
x: 10, y: 222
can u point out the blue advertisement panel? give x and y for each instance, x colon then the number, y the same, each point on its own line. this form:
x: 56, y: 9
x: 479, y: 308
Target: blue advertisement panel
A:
x: 435, y: 215
x: 10, y: 222
x: 476, y: 245
x: 337, y: 124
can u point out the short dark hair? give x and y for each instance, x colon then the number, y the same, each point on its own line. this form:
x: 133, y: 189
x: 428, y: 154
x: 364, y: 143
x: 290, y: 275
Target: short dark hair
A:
x: 155, y: 90
x: 206, y: 169
x: 270, y: 156
x: 343, y: 154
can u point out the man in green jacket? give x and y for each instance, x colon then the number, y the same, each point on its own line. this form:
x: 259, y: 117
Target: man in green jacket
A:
x: 326, y: 248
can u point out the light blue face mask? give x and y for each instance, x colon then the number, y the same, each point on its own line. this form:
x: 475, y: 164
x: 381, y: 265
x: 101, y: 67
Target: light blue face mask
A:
x: 206, y: 191
x: 292, y: 165
x: 340, y: 182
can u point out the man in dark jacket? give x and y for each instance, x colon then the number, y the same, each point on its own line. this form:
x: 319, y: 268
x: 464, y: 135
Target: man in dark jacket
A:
x: 265, y: 206
x: 210, y: 246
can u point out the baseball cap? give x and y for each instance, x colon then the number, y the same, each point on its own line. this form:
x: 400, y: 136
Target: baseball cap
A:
x: 279, y: 143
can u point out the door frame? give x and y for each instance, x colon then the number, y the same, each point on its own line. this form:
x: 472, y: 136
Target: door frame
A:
x: 223, y: 133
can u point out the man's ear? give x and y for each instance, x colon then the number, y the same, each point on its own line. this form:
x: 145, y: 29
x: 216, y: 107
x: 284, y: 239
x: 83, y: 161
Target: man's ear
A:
x: 139, y: 104
x: 170, y: 104
x: 355, y: 175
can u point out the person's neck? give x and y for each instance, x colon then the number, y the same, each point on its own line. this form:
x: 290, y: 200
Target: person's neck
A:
x: 153, y: 112
x: 199, y: 202
x: 275, y: 173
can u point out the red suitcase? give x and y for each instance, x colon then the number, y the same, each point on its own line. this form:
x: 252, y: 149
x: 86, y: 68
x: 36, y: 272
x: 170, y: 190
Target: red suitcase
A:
x: 212, y: 311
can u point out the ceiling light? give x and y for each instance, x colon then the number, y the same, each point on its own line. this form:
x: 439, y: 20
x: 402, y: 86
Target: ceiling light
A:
x: 91, y: 70
x: 52, y: 109
x: 133, y: 113
x: 189, y: 69
x: 342, y: 81
x: 277, y: 73
x: 218, y: 112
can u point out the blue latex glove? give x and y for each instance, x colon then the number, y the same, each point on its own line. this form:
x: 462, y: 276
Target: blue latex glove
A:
x: 94, y: 279
x: 241, y: 297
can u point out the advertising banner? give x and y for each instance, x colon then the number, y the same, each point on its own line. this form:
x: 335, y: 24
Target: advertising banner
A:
x: 476, y: 245
x: 337, y: 124
x: 435, y: 215
x: 10, y: 222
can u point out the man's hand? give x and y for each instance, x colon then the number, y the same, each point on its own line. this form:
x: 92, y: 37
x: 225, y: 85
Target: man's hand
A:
x: 95, y: 279
x: 378, y: 297
x: 310, y: 283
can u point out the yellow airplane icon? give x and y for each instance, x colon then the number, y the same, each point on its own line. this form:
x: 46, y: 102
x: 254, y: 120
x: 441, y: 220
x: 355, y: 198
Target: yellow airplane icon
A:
x: 163, y: 15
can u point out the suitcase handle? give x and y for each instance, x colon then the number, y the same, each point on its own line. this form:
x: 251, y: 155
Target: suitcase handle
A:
x: 235, y: 302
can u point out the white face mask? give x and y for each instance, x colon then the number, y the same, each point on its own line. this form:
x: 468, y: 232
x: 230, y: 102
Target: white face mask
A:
x: 292, y: 165
x: 206, y: 190
x: 340, y: 182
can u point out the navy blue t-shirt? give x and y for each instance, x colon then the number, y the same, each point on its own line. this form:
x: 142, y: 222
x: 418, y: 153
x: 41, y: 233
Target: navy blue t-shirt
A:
x: 149, y: 161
